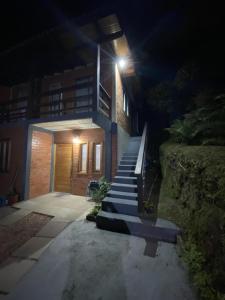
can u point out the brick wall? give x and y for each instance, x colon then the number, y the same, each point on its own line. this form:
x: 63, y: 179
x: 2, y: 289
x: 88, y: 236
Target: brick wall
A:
x: 40, y: 165
x: 90, y: 136
x: 17, y: 135
x: 121, y: 117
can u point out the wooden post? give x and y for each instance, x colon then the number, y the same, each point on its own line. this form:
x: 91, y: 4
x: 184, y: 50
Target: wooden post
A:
x: 98, y: 62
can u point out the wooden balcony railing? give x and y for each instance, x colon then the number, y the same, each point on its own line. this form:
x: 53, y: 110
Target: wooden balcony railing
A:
x: 14, y: 110
x: 78, y: 98
x: 141, y: 168
x: 104, y: 101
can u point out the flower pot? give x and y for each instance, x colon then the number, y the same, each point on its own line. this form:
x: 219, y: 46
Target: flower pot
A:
x: 12, y: 199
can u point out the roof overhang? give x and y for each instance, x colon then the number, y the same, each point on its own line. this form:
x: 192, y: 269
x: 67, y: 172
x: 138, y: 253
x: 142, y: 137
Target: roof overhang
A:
x: 67, y: 125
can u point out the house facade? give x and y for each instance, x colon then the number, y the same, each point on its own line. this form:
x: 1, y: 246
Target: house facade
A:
x: 67, y: 108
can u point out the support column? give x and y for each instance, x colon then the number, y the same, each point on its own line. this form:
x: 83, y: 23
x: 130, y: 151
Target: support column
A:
x: 97, y: 83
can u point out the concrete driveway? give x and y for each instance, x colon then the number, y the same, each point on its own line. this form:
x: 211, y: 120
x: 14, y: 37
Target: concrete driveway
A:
x: 86, y: 263
x: 63, y: 208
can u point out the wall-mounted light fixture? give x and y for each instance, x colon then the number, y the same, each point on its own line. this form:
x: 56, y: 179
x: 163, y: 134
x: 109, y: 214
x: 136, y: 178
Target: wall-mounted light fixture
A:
x: 122, y: 62
x: 76, y: 139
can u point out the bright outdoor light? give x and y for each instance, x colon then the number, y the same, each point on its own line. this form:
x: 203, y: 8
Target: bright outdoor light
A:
x: 122, y: 63
x: 76, y: 139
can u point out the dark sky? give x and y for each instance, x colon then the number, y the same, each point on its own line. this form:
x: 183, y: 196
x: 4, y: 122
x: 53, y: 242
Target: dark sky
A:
x: 163, y: 34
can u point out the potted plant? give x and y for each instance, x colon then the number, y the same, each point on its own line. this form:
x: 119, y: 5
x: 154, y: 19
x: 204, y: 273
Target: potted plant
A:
x: 12, y: 196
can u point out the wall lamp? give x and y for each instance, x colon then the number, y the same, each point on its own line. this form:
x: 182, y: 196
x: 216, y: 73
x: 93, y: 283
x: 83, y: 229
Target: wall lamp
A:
x: 122, y: 62
x: 76, y: 139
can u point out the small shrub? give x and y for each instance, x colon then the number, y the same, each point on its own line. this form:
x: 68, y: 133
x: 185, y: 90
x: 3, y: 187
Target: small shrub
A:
x: 99, y: 194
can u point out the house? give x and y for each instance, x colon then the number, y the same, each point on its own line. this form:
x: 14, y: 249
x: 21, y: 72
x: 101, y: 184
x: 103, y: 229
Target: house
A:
x: 67, y: 107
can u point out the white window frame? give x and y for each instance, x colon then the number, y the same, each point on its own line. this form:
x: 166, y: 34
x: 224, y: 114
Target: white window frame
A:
x: 99, y: 168
x: 83, y: 163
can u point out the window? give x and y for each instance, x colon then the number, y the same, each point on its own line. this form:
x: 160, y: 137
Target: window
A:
x: 97, y: 157
x: 125, y: 104
x: 83, y: 157
x: 5, y: 155
x: 55, y: 98
x: 83, y: 94
x: 21, y: 93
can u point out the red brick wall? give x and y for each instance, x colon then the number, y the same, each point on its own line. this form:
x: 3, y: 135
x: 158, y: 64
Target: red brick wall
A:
x: 90, y: 136
x: 40, y: 166
x: 17, y: 135
x: 121, y: 117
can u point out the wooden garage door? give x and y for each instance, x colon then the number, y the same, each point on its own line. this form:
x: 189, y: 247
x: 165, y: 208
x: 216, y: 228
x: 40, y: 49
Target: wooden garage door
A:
x: 63, y: 165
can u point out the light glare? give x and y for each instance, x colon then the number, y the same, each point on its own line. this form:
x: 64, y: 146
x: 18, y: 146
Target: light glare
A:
x: 122, y: 62
x: 76, y: 140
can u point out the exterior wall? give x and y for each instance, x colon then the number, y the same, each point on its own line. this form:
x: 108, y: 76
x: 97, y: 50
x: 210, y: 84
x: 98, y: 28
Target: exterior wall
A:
x: 4, y: 94
x: 17, y: 135
x: 40, y: 164
x: 67, y: 78
x: 79, y: 180
x: 122, y: 142
x: 121, y: 118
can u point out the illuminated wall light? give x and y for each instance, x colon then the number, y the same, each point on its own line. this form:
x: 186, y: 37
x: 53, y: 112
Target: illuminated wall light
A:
x: 122, y: 63
x: 76, y: 139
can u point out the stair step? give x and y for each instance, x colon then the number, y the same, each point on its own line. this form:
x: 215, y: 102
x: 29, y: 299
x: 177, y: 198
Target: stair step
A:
x: 122, y: 195
x: 120, y: 206
x: 127, y: 167
x: 125, y: 173
x: 128, y: 162
x: 125, y: 179
x: 128, y: 154
x: 123, y: 187
x: 135, y: 226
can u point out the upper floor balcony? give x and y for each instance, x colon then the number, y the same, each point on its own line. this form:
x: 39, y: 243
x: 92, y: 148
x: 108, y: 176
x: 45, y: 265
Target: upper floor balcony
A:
x: 90, y: 42
x: 86, y: 95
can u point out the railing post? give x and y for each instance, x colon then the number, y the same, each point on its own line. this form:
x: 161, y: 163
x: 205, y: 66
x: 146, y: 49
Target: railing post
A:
x: 97, y: 81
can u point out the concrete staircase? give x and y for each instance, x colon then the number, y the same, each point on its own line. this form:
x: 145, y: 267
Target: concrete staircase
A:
x: 120, y: 208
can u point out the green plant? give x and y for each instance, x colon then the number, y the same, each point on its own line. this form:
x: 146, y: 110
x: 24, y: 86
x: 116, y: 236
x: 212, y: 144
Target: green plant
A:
x: 204, y: 125
x: 95, y: 210
x: 99, y: 194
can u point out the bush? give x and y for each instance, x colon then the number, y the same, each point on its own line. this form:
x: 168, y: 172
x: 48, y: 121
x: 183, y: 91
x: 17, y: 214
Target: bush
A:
x: 194, y: 183
x: 203, y: 126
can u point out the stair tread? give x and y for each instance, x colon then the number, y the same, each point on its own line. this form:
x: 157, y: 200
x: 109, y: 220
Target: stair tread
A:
x: 120, y: 201
x: 122, y: 193
x: 135, y: 219
x: 125, y: 177
x: 124, y: 185
x: 123, y: 217
x: 126, y: 171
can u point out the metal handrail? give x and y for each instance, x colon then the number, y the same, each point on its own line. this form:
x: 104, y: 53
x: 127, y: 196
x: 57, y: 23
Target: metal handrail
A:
x: 141, y: 152
x: 140, y: 168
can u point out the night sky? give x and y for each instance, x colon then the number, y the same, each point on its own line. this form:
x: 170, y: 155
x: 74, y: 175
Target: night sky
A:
x: 163, y: 34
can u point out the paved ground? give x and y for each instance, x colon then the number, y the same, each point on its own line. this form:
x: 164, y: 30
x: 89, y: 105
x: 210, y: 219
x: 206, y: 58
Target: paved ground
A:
x: 85, y: 263
x: 64, y: 208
